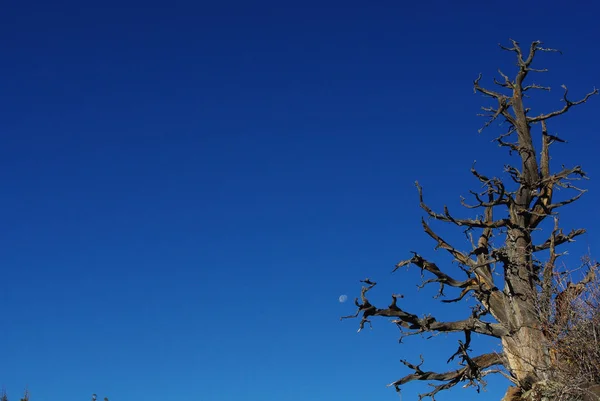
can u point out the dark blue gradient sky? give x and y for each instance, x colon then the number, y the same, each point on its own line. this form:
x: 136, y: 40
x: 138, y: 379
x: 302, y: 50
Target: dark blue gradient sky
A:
x: 189, y: 186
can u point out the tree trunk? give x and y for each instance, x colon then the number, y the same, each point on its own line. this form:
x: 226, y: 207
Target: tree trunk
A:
x: 526, y: 347
x: 527, y: 356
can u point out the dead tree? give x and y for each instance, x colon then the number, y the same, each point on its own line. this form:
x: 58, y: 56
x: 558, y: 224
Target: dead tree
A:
x: 515, y: 293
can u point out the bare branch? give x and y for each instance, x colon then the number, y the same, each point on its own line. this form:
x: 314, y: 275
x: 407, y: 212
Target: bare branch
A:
x: 536, y: 86
x: 364, y: 305
x: 495, y: 192
x: 514, y: 174
x: 411, y: 321
x: 547, y: 275
x: 573, y: 173
x: 458, y: 256
x: 567, y: 106
x: 470, y: 373
x: 523, y: 63
x: 543, y: 206
x: 558, y: 239
x: 545, y: 157
x: 430, y: 324
x: 440, y: 277
x: 475, y: 223
x: 504, y: 103
x: 486, y: 92
x: 567, y: 201
x: 513, y: 147
x: 568, y: 295
x: 507, y: 82
x: 483, y: 244
x: 535, y: 47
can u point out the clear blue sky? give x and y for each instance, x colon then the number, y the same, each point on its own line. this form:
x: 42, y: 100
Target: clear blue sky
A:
x: 188, y: 186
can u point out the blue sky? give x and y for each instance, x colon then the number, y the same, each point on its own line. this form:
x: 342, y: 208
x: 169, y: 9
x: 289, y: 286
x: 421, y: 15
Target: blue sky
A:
x: 187, y: 187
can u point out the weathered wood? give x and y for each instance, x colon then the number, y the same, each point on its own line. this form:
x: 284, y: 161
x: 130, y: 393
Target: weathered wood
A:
x: 522, y: 304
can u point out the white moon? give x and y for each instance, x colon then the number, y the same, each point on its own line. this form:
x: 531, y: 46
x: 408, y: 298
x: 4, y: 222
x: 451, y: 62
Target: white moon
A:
x: 343, y: 298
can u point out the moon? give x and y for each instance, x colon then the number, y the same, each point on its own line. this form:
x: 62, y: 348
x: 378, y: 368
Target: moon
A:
x: 343, y: 298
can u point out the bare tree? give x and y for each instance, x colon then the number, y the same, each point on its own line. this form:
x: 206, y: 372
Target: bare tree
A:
x: 517, y: 299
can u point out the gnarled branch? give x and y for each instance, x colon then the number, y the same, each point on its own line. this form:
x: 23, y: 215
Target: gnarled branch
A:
x: 472, y: 373
x: 460, y: 257
x: 567, y: 106
x: 558, y: 238
x: 447, y: 217
x: 410, y: 321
